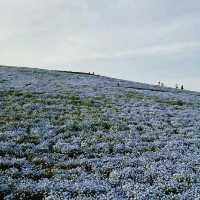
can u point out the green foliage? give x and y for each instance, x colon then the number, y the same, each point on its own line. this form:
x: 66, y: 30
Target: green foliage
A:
x: 135, y: 95
x: 15, y: 93
x: 5, y: 165
x: 75, y: 126
x: 173, y: 102
x: 3, y: 80
x: 28, y: 195
x: 69, y: 165
x: 140, y: 96
x: 106, y: 125
x: 29, y: 138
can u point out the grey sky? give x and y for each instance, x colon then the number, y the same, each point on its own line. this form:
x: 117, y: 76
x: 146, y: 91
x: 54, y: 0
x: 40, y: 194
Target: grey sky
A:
x: 142, y: 40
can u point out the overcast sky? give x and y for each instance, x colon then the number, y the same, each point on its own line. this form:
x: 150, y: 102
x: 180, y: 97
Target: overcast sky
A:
x: 141, y: 40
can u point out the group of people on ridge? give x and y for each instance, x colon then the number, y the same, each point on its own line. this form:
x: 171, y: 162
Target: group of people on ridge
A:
x: 161, y: 84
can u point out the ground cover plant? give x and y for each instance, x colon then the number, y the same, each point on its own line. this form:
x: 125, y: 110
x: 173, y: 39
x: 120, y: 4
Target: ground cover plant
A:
x: 70, y: 135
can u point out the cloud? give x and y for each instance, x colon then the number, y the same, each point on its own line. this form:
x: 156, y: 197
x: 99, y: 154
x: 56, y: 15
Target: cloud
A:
x: 135, y: 33
x: 159, y: 50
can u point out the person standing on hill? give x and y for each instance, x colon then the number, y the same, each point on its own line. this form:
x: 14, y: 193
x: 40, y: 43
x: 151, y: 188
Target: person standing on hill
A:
x: 182, y: 88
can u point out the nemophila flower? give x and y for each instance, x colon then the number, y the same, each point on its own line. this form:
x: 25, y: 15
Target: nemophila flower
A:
x: 70, y: 136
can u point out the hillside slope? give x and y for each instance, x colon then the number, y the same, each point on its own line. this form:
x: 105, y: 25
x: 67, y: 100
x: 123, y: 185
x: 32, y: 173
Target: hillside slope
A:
x: 78, y: 136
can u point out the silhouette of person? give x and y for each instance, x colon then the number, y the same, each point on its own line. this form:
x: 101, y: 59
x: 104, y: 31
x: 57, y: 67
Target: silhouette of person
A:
x: 182, y: 87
